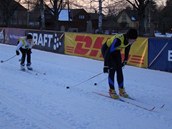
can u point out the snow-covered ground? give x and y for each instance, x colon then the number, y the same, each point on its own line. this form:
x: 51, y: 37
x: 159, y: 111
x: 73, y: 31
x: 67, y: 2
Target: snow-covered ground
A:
x: 29, y: 101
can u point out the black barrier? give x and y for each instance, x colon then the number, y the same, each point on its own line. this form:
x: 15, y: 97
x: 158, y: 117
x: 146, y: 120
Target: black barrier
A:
x: 45, y: 40
x: 48, y: 40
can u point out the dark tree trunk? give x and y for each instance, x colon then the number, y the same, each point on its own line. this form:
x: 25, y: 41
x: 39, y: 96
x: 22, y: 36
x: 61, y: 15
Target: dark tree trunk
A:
x: 140, y: 6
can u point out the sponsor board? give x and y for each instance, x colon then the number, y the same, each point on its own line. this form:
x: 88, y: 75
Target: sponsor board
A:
x: 89, y: 45
x: 11, y: 35
x: 139, y: 53
x: 48, y: 40
x: 86, y: 45
x: 160, y: 54
x: 1, y: 35
x: 170, y: 55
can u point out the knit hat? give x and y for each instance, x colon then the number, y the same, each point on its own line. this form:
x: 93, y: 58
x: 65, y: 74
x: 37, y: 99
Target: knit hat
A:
x: 132, y: 34
x: 29, y: 36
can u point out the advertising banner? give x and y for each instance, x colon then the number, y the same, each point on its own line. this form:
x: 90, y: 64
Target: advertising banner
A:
x: 89, y: 45
x: 86, y: 45
x: 138, y: 55
x: 48, y: 40
x: 12, y: 35
x: 2, y: 36
x: 160, y: 54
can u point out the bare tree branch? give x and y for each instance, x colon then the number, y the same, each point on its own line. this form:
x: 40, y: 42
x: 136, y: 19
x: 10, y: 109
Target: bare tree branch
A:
x: 137, y: 3
x: 132, y: 4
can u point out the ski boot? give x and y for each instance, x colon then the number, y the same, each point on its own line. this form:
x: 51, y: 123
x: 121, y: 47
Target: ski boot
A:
x: 22, y: 67
x: 123, y: 93
x: 113, y: 94
x: 29, y: 67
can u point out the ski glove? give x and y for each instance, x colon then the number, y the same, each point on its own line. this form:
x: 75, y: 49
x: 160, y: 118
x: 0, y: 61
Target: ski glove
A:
x: 124, y: 63
x: 106, y: 69
x: 17, y: 53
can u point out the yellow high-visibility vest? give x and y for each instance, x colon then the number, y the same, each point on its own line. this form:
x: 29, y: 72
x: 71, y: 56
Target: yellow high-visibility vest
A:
x: 120, y: 37
x: 22, y: 39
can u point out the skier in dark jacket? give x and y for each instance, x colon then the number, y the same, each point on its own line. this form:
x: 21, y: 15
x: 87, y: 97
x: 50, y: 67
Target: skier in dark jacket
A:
x: 113, y: 61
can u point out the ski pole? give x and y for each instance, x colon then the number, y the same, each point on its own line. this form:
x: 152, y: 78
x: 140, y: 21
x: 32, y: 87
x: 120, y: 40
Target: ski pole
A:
x: 2, y: 61
x: 86, y: 80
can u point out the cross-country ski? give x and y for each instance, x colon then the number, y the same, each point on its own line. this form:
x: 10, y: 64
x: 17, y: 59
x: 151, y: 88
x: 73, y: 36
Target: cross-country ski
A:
x: 133, y: 102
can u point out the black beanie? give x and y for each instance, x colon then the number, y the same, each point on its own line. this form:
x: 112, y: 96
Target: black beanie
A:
x: 132, y: 34
x: 29, y: 36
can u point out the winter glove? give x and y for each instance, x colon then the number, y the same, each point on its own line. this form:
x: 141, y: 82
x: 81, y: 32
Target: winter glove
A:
x: 106, y: 69
x: 17, y: 53
x: 124, y: 63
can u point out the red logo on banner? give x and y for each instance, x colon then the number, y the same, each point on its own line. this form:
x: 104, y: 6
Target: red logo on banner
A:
x: 85, y: 46
x: 134, y: 59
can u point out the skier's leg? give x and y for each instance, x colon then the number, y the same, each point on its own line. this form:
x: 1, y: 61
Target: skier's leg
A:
x: 29, y: 59
x: 29, y: 56
x: 120, y: 81
x: 118, y: 65
x: 22, y: 63
x: 23, y: 51
x: 120, y: 78
x: 111, y: 78
x: 111, y: 82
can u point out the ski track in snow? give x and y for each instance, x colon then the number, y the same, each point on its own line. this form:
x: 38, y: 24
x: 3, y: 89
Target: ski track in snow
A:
x: 28, y: 101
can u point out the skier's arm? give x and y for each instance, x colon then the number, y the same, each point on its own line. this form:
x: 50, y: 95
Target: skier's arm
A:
x: 127, y: 50
x: 20, y: 44
x: 104, y: 51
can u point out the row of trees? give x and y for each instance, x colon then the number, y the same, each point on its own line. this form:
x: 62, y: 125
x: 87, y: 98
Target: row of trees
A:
x: 156, y: 12
x: 54, y: 6
x: 165, y: 18
x: 160, y: 16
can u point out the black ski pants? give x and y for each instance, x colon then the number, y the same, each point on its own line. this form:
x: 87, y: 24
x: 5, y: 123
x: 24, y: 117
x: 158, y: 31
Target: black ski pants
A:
x: 115, y: 65
x: 25, y: 52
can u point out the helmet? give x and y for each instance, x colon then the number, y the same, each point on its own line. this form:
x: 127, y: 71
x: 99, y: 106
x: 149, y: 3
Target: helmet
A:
x: 132, y: 34
x: 29, y: 36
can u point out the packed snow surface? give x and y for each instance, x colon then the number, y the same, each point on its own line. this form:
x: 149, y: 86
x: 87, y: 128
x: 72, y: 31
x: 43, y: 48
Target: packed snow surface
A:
x: 34, y: 100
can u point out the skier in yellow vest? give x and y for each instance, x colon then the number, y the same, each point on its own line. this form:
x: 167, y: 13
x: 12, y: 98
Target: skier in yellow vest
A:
x: 25, y: 45
x: 113, y: 61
